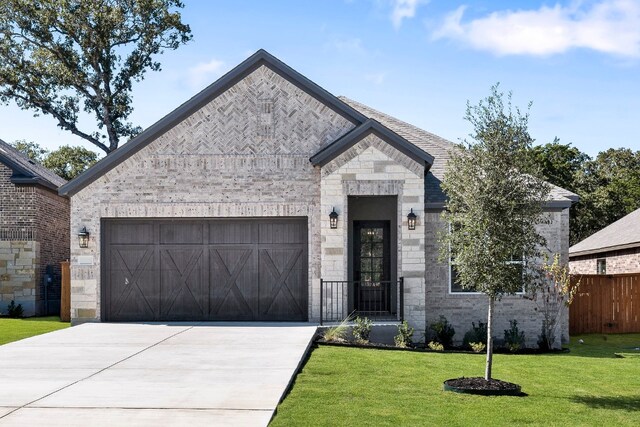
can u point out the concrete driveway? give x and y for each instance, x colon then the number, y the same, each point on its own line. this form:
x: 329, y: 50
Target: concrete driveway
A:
x: 151, y: 374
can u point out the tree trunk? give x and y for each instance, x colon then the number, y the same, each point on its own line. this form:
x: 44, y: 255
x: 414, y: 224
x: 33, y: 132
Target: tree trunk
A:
x: 487, y: 372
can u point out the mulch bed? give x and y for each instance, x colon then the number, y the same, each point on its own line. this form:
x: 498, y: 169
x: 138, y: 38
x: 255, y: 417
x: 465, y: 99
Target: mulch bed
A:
x: 424, y: 349
x: 478, y: 385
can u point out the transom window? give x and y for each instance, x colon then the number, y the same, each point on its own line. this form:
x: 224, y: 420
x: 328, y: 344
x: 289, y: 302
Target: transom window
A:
x: 455, y: 287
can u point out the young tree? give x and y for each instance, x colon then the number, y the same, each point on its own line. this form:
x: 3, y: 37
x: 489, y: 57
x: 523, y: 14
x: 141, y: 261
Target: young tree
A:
x: 495, y: 202
x: 552, y: 297
x: 58, y: 57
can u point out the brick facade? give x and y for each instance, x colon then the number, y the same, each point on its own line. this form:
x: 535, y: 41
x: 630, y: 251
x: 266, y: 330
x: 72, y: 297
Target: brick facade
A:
x: 245, y: 153
x: 617, y: 262
x: 34, y: 233
x: 463, y: 308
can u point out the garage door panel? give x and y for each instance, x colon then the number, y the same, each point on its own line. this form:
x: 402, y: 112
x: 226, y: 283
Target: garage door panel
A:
x: 184, y: 286
x: 232, y: 232
x: 281, y: 272
x: 282, y: 232
x: 233, y: 282
x: 208, y: 269
x: 181, y: 233
x: 133, y: 286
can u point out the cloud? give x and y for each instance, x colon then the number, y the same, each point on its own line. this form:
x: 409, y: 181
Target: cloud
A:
x: 375, y: 78
x: 607, y: 26
x: 404, y: 9
x: 348, y: 45
x: 204, y: 73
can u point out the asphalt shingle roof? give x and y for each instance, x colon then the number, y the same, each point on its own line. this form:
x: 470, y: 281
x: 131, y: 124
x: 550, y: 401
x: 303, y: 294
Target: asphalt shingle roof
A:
x: 625, y: 232
x: 438, y: 147
x: 27, y: 168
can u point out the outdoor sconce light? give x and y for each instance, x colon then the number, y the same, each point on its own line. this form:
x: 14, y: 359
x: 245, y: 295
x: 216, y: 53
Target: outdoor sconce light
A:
x: 83, y: 238
x: 333, y: 219
x: 411, y: 220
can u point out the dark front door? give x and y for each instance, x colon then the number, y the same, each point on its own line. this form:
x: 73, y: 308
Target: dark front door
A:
x: 371, y: 267
x: 227, y: 269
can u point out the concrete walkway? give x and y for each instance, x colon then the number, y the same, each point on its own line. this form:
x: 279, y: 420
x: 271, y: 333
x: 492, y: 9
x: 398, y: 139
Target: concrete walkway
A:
x: 151, y: 374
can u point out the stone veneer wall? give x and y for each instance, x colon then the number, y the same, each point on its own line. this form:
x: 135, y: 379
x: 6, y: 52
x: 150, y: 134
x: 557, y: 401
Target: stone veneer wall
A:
x: 374, y: 168
x: 463, y: 308
x: 19, y: 273
x: 246, y: 153
x: 618, y: 262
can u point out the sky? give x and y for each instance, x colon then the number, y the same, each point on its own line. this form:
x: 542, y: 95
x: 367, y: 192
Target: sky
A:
x: 578, y: 62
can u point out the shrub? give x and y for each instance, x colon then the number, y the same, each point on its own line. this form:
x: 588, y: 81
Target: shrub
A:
x: 478, y: 347
x: 435, y: 346
x: 15, y: 311
x: 337, y: 333
x: 477, y: 334
x: 442, y: 332
x: 513, y: 337
x: 544, y: 339
x: 405, y: 334
x: 362, y: 329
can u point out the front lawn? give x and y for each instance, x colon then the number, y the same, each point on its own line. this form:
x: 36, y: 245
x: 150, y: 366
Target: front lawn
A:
x: 17, y: 329
x: 347, y: 386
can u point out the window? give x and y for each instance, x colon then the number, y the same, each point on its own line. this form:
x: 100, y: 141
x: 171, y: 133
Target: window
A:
x: 455, y: 287
x: 601, y: 266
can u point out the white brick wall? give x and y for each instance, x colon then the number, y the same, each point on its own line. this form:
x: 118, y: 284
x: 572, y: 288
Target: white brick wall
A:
x: 373, y: 167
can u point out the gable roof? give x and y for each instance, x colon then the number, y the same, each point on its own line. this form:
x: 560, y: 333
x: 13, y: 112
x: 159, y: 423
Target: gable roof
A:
x: 26, y: 171
x: 371, y: 126
x: 258, y: 59
x: 440, y: 148
x: 622, y: 234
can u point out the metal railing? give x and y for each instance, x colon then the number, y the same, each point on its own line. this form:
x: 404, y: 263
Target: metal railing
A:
x: 382, y: 300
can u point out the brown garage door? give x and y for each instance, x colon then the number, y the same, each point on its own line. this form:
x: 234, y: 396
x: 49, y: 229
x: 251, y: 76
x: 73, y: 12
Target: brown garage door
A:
x: 231, y: 269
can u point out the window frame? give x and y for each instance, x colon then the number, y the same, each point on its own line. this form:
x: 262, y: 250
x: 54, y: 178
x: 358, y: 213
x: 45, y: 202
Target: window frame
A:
x: 604, y: 264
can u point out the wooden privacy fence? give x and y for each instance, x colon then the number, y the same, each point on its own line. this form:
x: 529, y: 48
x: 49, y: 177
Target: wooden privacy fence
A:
x: 65, y: 292
x: 606, y: 304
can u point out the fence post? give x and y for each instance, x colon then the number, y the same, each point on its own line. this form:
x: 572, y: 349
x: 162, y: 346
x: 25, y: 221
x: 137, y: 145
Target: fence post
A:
x: 321, y: 300
x: 402, y: 299
x: 65, y: 292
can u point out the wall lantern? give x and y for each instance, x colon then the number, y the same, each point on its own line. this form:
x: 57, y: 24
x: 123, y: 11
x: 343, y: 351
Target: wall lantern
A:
x: 333, y: 219
x: 83, y: 238
x: 411, y: 220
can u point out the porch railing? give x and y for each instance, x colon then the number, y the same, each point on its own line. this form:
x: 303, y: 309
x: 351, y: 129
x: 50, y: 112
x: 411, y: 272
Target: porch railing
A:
x: 376, y: 300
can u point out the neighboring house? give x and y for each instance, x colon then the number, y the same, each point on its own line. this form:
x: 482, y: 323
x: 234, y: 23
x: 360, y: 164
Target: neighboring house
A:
x: 613, y: 250
x: 221, y: 211
x: 34, y: 233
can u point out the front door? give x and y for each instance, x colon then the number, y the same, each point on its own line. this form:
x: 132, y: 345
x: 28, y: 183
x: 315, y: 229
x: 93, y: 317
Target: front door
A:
x: 371, y: 267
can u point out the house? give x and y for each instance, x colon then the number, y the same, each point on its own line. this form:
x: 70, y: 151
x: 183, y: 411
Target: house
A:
x: 613, y: 250
x: 265, y: 197
x: 34, y: 234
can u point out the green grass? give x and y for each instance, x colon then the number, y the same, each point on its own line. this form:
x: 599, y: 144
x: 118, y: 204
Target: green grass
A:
x: 17, y: 329
x: 348, y: 386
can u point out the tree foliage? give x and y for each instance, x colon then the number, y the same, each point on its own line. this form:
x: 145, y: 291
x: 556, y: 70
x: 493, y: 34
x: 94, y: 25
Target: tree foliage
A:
x: 608, y: 185
x: 61, y: 57
x: 495, y: 201
x: 69, y: 162
x: 66, y: 161
x: 30, y: 149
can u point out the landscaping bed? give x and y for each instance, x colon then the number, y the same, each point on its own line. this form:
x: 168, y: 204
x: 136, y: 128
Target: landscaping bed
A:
x: 477, y: 385
x: 339, y: 385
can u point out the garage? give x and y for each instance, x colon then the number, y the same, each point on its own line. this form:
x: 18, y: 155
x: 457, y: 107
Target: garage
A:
x: 204, y: 269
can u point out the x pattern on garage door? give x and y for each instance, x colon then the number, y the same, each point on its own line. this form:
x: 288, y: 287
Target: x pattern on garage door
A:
x: 205, y: 270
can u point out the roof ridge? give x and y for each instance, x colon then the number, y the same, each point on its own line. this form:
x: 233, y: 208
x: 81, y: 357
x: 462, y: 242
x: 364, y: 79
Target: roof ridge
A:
x: 436, y: 138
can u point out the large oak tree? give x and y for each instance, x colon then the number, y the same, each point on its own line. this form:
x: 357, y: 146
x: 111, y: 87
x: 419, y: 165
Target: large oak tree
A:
x: 61, y: 57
